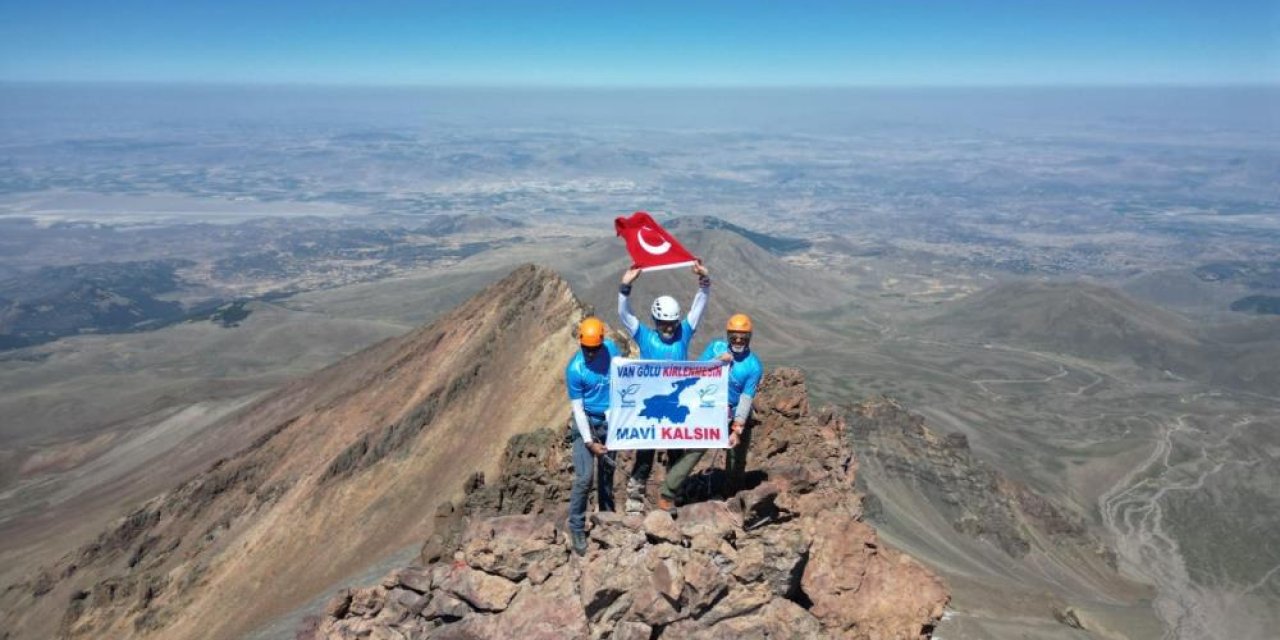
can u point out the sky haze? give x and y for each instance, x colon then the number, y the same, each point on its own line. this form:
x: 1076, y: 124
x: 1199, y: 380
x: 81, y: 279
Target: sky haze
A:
x: 716, y: 44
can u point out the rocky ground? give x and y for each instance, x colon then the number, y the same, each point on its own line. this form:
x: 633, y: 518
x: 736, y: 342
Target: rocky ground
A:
x: 788, y: 557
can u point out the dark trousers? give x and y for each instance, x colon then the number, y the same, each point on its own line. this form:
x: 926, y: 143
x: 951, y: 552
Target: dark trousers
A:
x: 586, y: 465
x: 643, y: 465
x: 682, y: 463
x: 735, y: 465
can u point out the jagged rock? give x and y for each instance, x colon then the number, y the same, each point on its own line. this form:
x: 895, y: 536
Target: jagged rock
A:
x: 609, y: 579
x: 704, y: 583
x: 539, y: 614
x: 667, y: 579
x: 448, y: 527
x: 774, y: 619
x: 616, y: 531
x: 653, y: 608
x: 1067, y: 616
x: 738, y: 603
x: 411, y: 601
x: 339, y: 604
x: 659, y: 526
x: 367, y: 602
x: 789, y: 396
x: 783, y: 551
x: 707, y: 523
x: 859, y: 588
x: 632, y: 631
x: 444, y: 605
x: 512, y: 546
x: 483, y: 591
x: 415, y: 578
x: 758, y: 504
x: 534, y: 476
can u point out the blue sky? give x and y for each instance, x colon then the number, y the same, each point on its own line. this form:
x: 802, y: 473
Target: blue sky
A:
x: 606, y: 44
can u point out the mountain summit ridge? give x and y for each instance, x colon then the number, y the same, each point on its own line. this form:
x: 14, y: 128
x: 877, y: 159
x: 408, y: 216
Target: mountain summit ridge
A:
x: 788, y: 557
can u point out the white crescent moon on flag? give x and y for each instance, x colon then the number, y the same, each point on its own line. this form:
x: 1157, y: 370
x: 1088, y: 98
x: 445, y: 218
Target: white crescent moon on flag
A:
x: 655, y: 249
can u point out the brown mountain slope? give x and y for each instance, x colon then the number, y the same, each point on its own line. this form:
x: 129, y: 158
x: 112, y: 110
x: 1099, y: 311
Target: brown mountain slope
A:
x: 348, y: 470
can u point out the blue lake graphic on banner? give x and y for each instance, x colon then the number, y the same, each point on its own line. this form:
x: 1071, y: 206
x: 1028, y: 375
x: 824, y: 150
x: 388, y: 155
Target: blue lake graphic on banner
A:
x: 667, y: 406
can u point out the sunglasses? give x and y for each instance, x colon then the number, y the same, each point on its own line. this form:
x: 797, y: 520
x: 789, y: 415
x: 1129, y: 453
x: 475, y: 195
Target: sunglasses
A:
x: 739, y: 336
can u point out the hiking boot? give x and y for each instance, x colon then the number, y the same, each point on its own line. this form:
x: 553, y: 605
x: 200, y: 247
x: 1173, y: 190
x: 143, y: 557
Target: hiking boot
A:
x: 635, y: 496
x: 635, y: 489
x: 666, y: 504
x: 578, y: 541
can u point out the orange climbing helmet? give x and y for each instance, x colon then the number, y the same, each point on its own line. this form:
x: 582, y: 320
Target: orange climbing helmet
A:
x: 739, y: 322
x: 591, y: 332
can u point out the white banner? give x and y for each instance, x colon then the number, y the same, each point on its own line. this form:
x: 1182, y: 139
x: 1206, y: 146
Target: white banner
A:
x: 667, y: 404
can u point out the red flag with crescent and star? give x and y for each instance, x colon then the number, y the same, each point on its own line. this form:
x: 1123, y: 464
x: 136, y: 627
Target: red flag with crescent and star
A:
x: 651, y: 247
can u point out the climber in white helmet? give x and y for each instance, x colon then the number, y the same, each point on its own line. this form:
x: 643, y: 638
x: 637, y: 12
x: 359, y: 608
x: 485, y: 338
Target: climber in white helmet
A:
x: 667, y: 340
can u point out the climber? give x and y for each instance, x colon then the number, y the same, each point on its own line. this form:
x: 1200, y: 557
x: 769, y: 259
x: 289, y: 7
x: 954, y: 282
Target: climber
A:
x: 587, y: 379
x: 667, y: 340
x: 745, y: 371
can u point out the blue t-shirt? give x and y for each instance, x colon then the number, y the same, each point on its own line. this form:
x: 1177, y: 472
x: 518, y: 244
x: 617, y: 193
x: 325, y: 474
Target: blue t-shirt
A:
x: 744, y: 372
x: 589, y: 381
x: 653, y: 347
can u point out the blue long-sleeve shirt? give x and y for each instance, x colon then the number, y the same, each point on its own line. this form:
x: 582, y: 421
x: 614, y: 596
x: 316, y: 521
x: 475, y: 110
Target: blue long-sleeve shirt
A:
x: 587, y: 382
x: 744, y: 375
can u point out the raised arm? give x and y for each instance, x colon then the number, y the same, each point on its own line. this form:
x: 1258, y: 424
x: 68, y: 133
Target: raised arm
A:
x: 699, y: 298
x: 629, y: 320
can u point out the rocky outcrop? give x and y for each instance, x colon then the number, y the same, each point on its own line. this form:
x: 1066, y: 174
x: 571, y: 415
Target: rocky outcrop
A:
x: 787, y: 557
x: 980, y: 501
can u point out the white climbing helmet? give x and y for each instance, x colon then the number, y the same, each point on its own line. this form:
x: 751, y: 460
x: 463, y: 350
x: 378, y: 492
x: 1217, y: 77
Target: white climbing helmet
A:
x: 666, y: 309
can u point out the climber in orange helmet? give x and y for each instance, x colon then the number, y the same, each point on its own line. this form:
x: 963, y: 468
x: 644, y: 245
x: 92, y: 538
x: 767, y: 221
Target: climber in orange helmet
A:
x: 587, y: 379
x: 745, y: 371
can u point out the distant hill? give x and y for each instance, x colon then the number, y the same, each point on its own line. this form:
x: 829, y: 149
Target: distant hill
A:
x: 746, y: 277
x: 1093, y: 321
x: 1262, y: 305
x: 445, y: 225
x: 345, y: 467
x: 1081, y: 319
x: 770, y: 243
x: 1257, y: 275
x: 52, y: 302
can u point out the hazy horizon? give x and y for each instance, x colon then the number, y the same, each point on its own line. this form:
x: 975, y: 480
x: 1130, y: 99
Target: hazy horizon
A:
x: 986, y: 42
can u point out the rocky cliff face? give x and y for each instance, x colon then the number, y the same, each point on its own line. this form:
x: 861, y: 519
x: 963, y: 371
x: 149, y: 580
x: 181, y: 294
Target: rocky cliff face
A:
x: 979, y: 501
x: 349, y: 465
x: 788, y: 557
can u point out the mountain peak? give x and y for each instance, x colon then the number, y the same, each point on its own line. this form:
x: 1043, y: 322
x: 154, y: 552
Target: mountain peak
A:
x: 771, y: 243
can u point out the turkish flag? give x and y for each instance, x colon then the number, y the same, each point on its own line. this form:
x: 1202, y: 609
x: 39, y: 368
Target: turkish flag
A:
x: 650, y: 246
